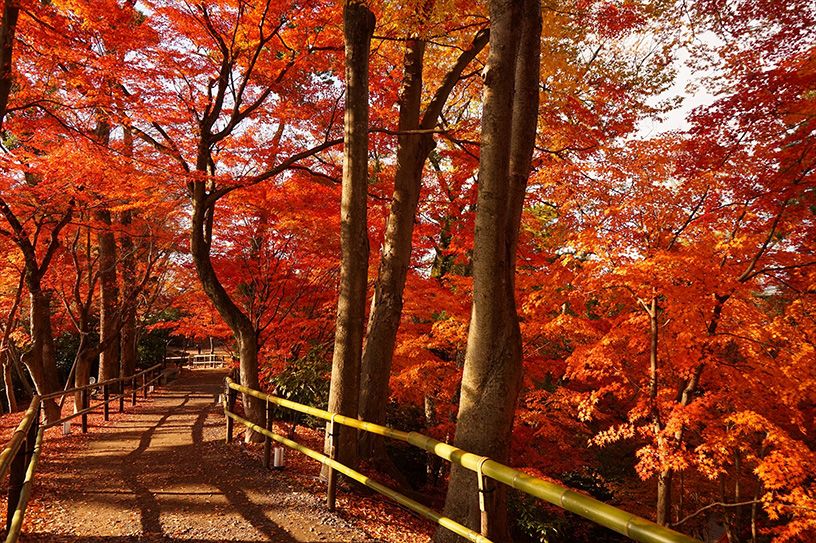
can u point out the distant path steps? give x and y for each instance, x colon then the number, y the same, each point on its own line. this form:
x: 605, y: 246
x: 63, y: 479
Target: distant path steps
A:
x: 163, y: 474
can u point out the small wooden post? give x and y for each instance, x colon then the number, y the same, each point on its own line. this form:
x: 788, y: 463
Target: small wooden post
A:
x: 485, y: 488
x: 144, y: 385
x: 105, y: 399
x: 229, y: 404
x: 267, y: 440
x: 120, y: 386
x: 84, y: 401
x: 334, y: 440
x: 133, y: 390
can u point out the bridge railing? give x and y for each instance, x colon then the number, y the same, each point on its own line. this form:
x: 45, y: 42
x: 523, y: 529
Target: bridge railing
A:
x: 21, y: 454
x: 630, y: 525
x: 208, y: 360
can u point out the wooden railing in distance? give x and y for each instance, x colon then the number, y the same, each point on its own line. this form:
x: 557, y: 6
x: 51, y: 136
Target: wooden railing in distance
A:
x: 22, y: 452
x: 632, y: 526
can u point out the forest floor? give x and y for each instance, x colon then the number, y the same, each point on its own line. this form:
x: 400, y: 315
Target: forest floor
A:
x: 161, y: 472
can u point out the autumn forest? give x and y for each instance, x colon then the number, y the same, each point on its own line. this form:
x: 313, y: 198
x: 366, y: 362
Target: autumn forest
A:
x: 574, y: 236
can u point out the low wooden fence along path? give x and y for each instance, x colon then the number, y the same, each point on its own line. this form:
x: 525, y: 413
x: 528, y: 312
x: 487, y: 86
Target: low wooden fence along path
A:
x: 485, y: 470
x: 161, y: 473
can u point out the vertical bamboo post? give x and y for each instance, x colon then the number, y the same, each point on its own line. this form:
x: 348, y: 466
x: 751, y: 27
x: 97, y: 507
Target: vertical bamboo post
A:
x: 144, y: 385
x: 120, y: 386
x: 229, y: 405
x: 481, y: 484
x: 105, y: 399
x: 334, y: 441
x: 133, y: 390
x: 85, y: 402
x: 267, y: 441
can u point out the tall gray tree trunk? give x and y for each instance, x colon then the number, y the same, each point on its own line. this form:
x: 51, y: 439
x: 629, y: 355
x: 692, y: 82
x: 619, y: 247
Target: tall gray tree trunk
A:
x: 127, y: 338
x: 358, y: 27
x: 109, y: 298
x: 492, y: 372
x: 412, y: 152
x: 8, y: 27
x: 386, y: 306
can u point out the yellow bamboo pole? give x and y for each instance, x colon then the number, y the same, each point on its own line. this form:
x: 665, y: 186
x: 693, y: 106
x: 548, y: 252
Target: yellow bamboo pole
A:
x: 25, y: 492
x: 632, y: 526
x: 19, y: 435
x: 401, y: 499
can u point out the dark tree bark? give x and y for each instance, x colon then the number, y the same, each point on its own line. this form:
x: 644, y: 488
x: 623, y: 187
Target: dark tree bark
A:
x: 412, y: 152
x: 127, y: 336
x: 109, y: 298
x: 109, y: 288
x: 239, y: 323
x: 358, y: 27
x: 8, y: 27
x: 492, y: 372
x: 386, y: 306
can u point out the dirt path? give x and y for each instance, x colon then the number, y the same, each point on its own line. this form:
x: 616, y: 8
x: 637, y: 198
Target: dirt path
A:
x: 163, y: 474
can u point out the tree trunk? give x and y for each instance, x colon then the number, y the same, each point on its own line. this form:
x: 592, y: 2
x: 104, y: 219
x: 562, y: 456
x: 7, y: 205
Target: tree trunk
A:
x: 665, y: 477
x: 239, y: 323
x: 11, y: 13
x: 109, y: 289
x: 386, y: 307
x: 492, y: 372
x: 8, y: 382
x: 358, y: 27
x: 412, y: 152
x: 127, y: 339
x: 664, y: 496
x: 41, y: 360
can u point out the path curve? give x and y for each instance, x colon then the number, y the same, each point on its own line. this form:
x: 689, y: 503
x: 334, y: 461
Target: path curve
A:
x: 163, y: 473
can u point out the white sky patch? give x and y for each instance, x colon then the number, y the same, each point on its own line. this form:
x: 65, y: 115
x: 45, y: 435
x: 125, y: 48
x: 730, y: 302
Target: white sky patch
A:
x: 689, y: 86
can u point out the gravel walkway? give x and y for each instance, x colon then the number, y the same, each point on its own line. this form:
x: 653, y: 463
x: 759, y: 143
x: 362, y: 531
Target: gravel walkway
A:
x: 163, y: 473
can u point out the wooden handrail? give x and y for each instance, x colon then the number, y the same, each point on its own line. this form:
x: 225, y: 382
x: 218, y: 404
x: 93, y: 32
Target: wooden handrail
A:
x: 21, y: 455
x: 99, y: 384
x: 19, y: 435
x: 630, y: 525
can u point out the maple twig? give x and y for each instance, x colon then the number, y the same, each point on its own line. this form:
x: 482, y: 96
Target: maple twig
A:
x: 690, y: 218
x: 216, y: 195
x: 715, y: 504
x: 770, y: 269
x: 417, y: 131
x: 747, y: 274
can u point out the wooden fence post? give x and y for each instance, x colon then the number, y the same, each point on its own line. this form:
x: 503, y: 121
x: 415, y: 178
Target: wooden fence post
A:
x: 267, y: 440
x: 144, y: 385
x: 85, y: 401
x: 229, y: 404
x: 133, y: 390
x: 105, y: 398
x: 334, y: 441
x: 121, y: 388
